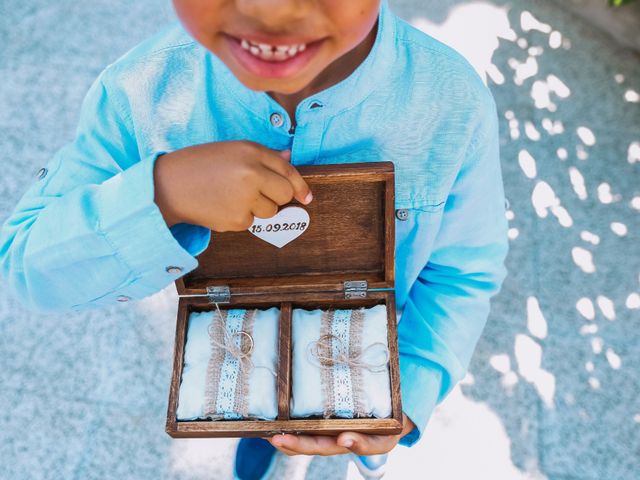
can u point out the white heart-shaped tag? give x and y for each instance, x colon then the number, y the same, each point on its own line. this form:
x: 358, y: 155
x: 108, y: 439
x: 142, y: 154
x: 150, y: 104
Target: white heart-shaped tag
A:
x: 284, y: 227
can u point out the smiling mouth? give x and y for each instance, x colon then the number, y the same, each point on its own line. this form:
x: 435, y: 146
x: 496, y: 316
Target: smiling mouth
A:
x: 273, y: 52
x: 273, y: 60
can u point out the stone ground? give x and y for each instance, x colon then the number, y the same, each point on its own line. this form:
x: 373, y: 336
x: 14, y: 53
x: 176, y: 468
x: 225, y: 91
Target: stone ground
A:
x: 553, y: 387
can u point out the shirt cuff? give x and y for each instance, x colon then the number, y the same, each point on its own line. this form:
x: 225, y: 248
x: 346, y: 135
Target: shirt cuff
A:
x: 133, y: 224
x: 419, y: 395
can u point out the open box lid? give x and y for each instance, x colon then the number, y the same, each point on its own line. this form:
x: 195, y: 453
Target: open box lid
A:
x: 349, y: 238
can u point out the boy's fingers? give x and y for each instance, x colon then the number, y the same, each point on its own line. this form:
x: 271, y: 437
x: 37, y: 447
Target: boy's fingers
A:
x: 309, y: 444
x: 264, y: 207
x: 329, y: 445
x: 275, y: 187
x: 363, y: 444
x: 278, y: 164
x: 286, y: 451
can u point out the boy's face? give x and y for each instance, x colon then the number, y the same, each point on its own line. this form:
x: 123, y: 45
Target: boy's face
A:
x: 287, y: 43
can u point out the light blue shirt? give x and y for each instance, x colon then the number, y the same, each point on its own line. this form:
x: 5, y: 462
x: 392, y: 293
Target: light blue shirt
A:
x: 88, y: 234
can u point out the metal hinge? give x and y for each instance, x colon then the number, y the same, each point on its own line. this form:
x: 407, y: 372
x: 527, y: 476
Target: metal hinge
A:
x: 219, y: 294
x: 355, y: 289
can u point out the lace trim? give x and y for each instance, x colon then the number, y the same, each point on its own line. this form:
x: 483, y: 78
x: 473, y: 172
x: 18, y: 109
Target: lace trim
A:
x: 227, y: 382
x: 242, y: 388
x: 229, y: 370
x: 326, y: 378
x: 341, y: 384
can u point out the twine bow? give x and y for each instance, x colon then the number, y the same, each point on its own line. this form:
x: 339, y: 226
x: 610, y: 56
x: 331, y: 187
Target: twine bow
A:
x: 321, y: 350
x: 229, y: 344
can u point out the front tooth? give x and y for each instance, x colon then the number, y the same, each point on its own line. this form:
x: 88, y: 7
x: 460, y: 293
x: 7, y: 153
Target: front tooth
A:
x: 280, y: 55
x: 264, y: 47
x: 293, y: 50
x: 266, y: 55
x: 255, y: 50
x: 282, y: 48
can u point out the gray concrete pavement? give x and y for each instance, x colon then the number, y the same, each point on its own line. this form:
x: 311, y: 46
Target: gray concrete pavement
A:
x: 553, y: 386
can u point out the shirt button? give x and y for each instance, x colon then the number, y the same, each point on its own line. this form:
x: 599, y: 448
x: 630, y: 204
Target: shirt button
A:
x: 402, y: 213
x: 123, y: 298
x: 173, y: 270
x: 277, y: 120
x: 41, y: 173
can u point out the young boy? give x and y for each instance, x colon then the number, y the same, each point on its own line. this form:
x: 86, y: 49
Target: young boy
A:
x: 199, y: 129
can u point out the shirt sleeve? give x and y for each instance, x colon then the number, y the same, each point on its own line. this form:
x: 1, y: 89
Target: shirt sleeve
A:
x: 87, y: 233
x: 448, y: 304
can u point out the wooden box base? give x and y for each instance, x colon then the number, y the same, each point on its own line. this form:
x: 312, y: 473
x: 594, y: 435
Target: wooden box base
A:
x: 284, y: 424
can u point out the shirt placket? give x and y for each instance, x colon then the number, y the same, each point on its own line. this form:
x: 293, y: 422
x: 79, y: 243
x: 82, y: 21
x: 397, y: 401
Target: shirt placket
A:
x: 305, y: 139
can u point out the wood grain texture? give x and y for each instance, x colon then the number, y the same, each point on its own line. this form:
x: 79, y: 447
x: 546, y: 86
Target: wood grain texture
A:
x: 259, y: 428
x: 350, y: 235
x: 178, y: 364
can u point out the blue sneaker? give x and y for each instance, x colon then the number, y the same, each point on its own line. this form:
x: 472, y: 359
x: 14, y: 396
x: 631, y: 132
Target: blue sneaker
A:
x: 370, y: 466
x: 254, y: 459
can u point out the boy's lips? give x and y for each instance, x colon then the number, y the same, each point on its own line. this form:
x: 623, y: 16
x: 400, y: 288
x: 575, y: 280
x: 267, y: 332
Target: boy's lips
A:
x: 272, y: 68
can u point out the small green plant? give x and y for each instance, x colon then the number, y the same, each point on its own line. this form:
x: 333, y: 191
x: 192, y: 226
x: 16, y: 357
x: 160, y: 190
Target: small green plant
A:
x: 617, y: 3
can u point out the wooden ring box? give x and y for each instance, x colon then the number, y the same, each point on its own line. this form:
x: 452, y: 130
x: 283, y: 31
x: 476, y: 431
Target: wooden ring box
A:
x: 349, y: 241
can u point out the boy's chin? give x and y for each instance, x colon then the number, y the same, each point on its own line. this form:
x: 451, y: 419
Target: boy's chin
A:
x: 282, y: 86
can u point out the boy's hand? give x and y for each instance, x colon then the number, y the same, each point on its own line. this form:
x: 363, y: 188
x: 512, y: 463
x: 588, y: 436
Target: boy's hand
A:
x: 363, y: 444
x: 223, y: 185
